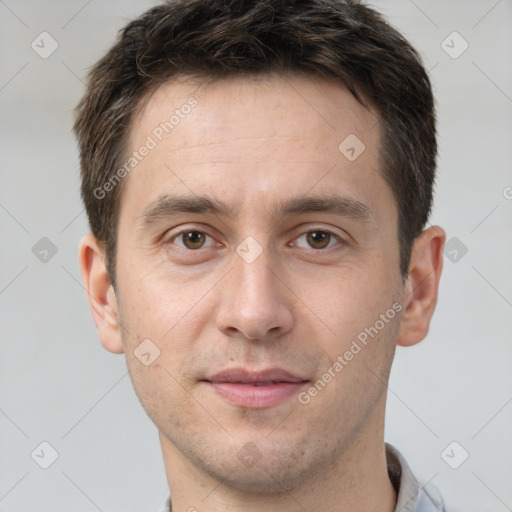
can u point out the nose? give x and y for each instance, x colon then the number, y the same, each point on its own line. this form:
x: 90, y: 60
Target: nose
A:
x: 254, y: 302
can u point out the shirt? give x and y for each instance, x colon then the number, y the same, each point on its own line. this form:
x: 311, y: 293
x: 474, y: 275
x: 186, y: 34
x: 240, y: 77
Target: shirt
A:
x: 410, y: 496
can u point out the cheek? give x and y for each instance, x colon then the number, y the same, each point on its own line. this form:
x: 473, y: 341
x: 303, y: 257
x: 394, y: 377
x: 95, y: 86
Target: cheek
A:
x: 152, y: 305
x: 159, y: 331
x: 358, y: 356
x: 164, y: 399
x: 357, y: 360
x: 348, y: 302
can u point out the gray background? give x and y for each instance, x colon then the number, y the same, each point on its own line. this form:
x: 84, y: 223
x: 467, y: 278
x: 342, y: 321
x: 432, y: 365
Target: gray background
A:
x: 58, y: 385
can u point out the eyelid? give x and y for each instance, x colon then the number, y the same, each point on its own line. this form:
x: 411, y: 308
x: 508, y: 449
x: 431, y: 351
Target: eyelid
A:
x: 339, y: 238
x: 171, y: 239
x: 307, y: 228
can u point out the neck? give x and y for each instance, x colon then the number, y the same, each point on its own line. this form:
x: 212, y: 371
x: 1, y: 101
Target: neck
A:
x: 357, y: 480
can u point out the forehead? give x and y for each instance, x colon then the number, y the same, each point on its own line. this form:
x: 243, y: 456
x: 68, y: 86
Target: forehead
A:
x: 255, y: 104
x: 246, y: 137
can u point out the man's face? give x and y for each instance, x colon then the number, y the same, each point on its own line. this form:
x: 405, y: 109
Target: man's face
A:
x: 273, y: 282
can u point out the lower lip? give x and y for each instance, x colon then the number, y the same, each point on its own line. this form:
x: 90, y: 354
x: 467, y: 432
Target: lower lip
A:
x: 247, y: 395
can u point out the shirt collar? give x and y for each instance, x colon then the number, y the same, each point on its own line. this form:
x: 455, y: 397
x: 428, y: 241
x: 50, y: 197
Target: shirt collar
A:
x: 410, y: 496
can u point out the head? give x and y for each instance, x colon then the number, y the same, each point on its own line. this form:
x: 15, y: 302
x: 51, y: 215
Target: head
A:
x: 257, y: 177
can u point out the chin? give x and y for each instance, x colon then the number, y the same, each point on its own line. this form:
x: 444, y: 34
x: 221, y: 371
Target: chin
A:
x: 271, y: 470
x: 259, y: 479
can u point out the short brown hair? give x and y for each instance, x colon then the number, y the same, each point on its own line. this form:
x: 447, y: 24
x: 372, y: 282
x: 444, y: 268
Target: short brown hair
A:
x: 333, y: 39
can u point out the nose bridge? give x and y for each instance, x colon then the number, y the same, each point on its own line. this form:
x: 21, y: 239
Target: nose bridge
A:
x: 253, y: 302
x: 253, y: 275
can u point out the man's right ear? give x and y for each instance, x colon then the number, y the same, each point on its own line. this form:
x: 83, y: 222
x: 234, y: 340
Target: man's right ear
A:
x: 100, y: 293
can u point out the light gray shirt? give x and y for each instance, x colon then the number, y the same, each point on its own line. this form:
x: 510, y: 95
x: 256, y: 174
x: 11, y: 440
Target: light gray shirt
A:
x: 410, y: 496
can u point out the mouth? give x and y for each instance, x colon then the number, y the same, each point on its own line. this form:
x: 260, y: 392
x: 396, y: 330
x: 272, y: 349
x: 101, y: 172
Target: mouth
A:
x: 256, y: 390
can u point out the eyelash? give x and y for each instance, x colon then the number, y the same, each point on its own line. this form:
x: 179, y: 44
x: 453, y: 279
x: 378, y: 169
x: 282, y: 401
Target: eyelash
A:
x: 312, y: 230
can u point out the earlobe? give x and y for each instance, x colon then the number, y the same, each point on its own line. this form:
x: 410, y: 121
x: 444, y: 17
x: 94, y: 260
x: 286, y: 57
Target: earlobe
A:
x: 422, y: 285
x: 100, y: 293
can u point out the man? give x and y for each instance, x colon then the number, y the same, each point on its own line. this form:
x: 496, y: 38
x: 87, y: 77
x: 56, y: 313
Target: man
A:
x: 258, y: 176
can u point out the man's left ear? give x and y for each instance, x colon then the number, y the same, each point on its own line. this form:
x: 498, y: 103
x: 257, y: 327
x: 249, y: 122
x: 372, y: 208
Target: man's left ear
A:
x: 422, y: 285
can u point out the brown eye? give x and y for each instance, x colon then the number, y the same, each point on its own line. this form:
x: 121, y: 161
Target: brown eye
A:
x: 191, y: 239
x: 318, y: 239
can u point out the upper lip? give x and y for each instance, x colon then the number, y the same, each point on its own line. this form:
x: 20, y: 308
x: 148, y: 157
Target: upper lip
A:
x: 243, y: 376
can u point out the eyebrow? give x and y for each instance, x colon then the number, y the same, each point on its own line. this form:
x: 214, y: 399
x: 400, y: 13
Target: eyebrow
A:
x: 167, y: 206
